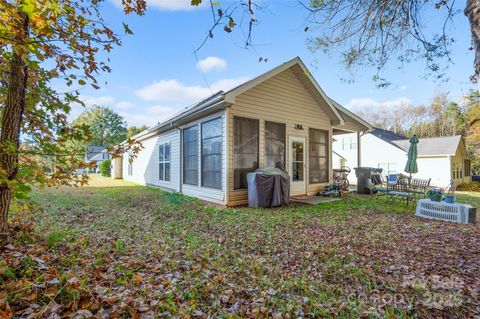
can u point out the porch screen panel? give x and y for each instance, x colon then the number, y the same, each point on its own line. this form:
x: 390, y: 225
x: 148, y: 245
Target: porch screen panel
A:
x: 212, y: 153
x: 274, y: 143
x: 467, y: 167
x: 190, y: 155
x: 318, y: 156
x: 245, y: 151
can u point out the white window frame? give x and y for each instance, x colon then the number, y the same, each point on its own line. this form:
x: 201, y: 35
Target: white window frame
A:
x: 202, y: 160
x: 353, y: 143
x: 164, y: 160
x: 129, y: 164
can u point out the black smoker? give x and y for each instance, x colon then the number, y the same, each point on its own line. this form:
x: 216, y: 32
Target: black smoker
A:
x: 364, y: 175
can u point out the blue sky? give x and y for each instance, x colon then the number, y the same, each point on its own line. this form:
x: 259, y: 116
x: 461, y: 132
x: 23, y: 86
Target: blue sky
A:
x: 154, y: 73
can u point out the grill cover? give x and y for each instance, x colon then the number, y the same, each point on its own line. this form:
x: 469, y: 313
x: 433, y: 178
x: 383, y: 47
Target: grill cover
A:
x: 268, y: 187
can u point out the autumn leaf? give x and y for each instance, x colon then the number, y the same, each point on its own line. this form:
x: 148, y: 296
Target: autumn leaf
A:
x: 127, y: 28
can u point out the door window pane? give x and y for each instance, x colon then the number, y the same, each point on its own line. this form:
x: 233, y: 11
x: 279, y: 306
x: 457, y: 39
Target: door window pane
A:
x: 297, y: 161
x: 212, y: 153
x: 245, y: 154
x: 318, y: 156
x: 190, y: 155
x: 274, y: 143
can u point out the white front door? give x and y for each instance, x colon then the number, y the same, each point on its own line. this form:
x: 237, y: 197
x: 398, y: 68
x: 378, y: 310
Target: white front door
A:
x: 298, y: 178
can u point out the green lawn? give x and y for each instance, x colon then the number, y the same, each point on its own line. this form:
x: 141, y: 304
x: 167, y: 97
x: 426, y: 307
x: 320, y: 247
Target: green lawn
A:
x: 118, y: 249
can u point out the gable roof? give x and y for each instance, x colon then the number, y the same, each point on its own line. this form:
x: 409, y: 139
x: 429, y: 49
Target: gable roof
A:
x: 220, y: 100
x: 98, y: 157
x: 433, y: 146
x: 386, y: 135
x: 303, y: 74
x: 345, y: 113
x: 94, y: 150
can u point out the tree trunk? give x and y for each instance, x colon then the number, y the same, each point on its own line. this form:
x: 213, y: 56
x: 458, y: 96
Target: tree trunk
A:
x: 12, y: 122
x: 472, y: 11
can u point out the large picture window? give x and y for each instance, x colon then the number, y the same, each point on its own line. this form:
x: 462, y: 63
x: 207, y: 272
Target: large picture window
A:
x: 190, y: 155
x: 318, y: 156
x: 212, y: 153
x: 245, y: 152
x: 274, y: 143
x: 164, y: 162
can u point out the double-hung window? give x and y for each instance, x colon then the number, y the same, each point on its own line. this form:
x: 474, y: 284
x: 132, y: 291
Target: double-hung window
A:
x: 212, y: 153
x: 164, y: 162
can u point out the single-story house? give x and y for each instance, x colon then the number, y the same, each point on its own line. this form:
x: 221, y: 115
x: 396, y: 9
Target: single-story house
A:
x: 442, y: 159
x: 207, y: 149
x: 96, y: 154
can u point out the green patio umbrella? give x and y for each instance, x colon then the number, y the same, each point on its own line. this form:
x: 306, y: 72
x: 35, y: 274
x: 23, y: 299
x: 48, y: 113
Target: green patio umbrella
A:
x: 411, y: 166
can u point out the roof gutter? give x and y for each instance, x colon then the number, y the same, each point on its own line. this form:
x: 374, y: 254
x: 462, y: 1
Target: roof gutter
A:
x: 177, y: 120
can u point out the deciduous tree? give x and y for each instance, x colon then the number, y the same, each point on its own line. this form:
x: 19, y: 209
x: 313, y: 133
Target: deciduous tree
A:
x: 375, y: 32
x: 106, y: 127
x: 42, y: 41
x: 134, y: 130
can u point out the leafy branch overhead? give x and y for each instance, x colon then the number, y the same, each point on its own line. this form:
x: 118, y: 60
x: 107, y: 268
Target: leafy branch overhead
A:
x: 374, y: 33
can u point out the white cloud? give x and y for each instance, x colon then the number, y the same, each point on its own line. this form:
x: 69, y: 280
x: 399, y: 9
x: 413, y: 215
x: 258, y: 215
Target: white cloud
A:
x: 211, y: 63
x: 403, y: 88
x: 227, y: 84
x: 174, y: 5
x: 158, y: 109
x: 175, y: 91
x: 97, y: 100
x: 362, y: 103
x: 169, y: 5
x: 171, y: 91
x: 138, y: 119
x: 150, y: 116
x: 124, y: 105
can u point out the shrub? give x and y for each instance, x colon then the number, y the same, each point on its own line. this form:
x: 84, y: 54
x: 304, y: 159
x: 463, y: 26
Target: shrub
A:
x: 105, y: 168
x: 470, y: 187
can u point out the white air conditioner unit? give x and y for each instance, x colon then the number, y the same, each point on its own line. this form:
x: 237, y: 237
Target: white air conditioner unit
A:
x: 457, y: 212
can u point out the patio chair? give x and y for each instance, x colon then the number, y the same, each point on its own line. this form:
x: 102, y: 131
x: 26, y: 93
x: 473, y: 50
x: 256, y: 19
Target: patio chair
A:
x: 419, y: 187
x: 379, y: 186
x: 398, y: 188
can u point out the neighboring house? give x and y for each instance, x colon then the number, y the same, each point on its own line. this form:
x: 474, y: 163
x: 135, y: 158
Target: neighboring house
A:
x: 207, y: 149
x: 442, y: 159
x: 96, y: 154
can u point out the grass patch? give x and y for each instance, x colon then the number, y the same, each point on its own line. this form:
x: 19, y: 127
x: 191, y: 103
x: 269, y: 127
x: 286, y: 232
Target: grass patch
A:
x: 136, y: 250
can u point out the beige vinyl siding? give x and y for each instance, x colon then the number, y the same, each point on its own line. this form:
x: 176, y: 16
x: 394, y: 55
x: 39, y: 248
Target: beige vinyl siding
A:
x: 282, y: 99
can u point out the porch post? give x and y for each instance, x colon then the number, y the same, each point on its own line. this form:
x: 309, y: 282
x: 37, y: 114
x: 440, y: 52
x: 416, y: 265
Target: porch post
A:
x: 359, y: 150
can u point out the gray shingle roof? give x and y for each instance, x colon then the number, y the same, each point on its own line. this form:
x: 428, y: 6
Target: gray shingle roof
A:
x: 443, y: 145
x: 99, y: 157
x: 94, y: 150
x: 386, y: 135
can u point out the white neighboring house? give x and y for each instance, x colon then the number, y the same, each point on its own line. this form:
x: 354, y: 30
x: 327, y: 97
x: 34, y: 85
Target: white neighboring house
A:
x: 207, y: 149
x: 442, y: 159
x: 96, y: 154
